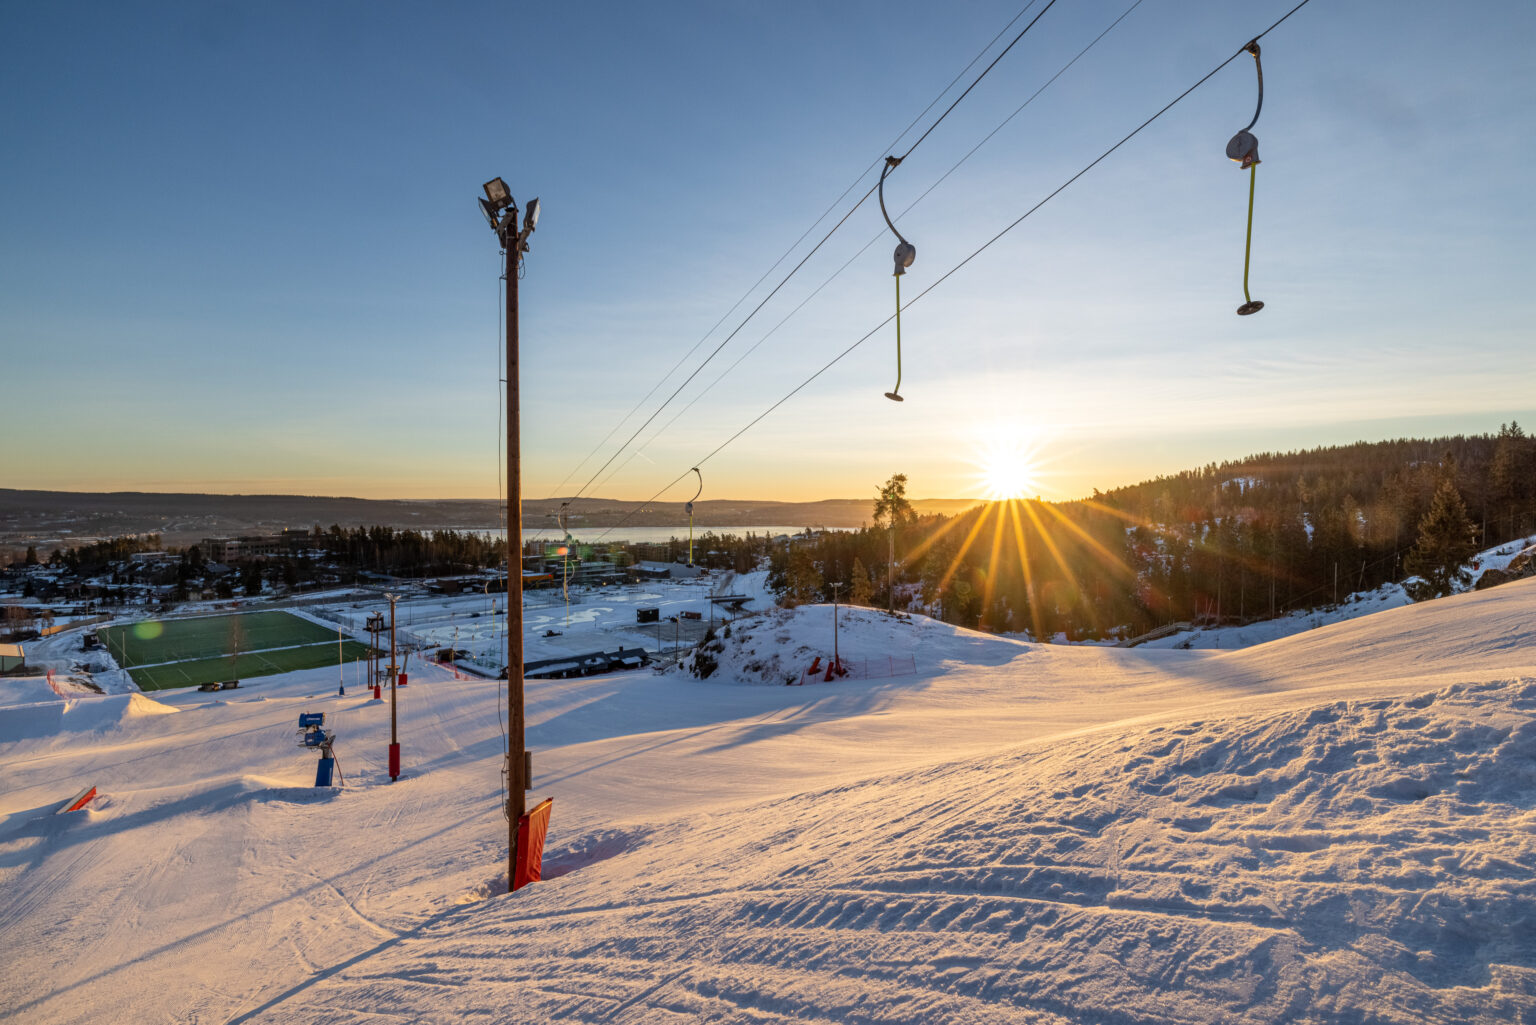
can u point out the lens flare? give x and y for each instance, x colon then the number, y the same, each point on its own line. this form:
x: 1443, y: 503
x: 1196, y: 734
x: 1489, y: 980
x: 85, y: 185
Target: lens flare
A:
x: 148, y: 631
x: 1007, y: 471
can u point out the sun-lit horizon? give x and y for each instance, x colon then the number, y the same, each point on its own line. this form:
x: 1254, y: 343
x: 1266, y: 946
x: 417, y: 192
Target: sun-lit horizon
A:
x: 1063, y: 467
x: 239, y: 327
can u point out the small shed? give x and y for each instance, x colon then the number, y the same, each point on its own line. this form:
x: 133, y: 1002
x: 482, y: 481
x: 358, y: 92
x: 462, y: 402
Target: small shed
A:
x: 646, y: 614
x: 12, y: 658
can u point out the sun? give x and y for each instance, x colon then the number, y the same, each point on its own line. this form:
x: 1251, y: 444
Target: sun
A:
x: 1007, y: 471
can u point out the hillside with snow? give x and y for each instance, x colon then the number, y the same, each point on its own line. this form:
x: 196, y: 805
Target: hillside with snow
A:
x: 1486, y: 566
x: 1339, y: 825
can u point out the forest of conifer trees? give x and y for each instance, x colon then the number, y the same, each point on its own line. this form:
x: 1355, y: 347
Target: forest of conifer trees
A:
x: 1229, y: 543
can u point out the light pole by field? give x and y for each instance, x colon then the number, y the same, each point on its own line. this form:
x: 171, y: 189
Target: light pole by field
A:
x: 394, y: 735
x: 836, y: 659
x: 500, y: 210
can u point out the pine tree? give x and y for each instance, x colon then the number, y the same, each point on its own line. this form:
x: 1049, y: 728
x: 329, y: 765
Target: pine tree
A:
x: 802, y: 580
x: 860, y: 591
x: 1447, y: 540
x: 892, y: 507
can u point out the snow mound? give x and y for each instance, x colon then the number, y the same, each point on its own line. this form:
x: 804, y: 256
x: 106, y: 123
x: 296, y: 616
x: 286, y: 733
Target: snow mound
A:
x: 778, y: 647
x: 1481, y: 631
x: 77, y: 715
x: 24, y: 690
x: 140, y: 706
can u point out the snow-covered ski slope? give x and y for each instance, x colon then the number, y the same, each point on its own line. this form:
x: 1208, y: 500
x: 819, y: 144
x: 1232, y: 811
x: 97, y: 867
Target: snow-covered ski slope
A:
x: 1333, y: 827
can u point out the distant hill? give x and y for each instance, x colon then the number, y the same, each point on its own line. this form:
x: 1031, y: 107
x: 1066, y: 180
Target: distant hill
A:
x: 57, y: 517
x: 723, y: 514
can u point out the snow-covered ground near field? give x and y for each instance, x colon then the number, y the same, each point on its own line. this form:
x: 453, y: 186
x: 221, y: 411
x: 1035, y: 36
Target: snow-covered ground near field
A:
x: 1338, y: 826
x: 595, y: 619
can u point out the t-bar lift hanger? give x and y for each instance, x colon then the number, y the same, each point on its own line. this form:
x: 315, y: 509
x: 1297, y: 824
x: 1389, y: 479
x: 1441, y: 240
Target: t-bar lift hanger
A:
x: 905, y: 253
x: 695, y: 497
x: 1244, y: 148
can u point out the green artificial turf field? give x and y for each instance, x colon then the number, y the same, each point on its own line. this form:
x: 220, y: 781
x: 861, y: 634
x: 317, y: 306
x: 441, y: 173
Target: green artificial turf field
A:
x: 193, y: 672
x: 187, y: 652
x: 176, y: 640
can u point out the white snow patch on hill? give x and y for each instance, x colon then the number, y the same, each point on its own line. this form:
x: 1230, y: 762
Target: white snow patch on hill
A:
x: 1339, y: 826
x: 776, y: 648
x: 1353, y: 606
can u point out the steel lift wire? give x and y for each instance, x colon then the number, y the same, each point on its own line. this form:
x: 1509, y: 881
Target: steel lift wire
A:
x: 794, y: 245
x: 755, y: 285
x: 874, y: 238
x: 814, y: 249
x: 956, y: 268
x: 1243, y: 148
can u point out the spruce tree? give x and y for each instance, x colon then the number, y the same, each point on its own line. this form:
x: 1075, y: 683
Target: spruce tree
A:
x: 802, y: 579
x: 1447, y: 540
x: 860, y: 591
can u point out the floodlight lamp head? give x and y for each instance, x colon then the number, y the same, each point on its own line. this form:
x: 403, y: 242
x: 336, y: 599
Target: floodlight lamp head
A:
x: 497, y: 192
x: 1243, y: 148
x: 531, y: 217
x: 489, y: 209
x: 905, y: 253
x: 894, y: 397
x: 1251, y: 307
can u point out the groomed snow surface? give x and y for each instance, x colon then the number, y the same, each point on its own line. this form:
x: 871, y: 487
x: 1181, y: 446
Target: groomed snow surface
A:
x: 1332, y: 827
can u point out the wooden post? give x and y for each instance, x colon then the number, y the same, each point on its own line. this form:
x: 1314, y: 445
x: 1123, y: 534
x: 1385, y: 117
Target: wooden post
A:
x: 394, y: 736
x: 836, y: 660
x: 517, y: 782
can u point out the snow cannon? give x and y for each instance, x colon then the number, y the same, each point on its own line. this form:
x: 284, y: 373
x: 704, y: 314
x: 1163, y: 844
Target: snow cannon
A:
x: 313, y: 734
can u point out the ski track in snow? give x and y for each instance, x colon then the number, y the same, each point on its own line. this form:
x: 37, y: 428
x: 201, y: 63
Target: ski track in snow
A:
x: 1339, y: 826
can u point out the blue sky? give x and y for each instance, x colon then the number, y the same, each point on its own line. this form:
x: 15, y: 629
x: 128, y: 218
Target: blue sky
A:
x: 240, y: 250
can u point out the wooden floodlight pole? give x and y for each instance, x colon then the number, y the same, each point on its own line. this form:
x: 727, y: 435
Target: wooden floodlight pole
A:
x: 394, y: 670
x: 517, y: 782
x: 836, y: 659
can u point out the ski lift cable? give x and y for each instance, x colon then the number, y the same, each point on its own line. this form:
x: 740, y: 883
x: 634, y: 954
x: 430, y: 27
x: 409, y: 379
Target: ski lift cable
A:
x: 1022, y: 33
x: 792, y: 247
x: 975, y: 253
x: 755, y: 285
x: 875, y: 238
x: 817, y: 247
x: 906, y: 252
